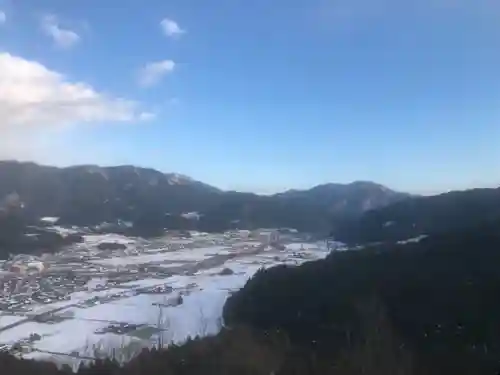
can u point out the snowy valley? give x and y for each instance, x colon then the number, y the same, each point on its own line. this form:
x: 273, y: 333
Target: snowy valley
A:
x: 114, y: 295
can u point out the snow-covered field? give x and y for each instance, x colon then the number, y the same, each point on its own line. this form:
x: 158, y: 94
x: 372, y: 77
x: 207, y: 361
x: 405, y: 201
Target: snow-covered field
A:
x: 9, y: 319
x: 187, y: 255
x: 200, y: 313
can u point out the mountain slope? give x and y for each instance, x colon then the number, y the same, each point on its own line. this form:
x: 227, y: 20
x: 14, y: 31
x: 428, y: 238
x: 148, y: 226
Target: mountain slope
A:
x: 91, y: 194
x: 448, y: 212
x: 346, y: 199
x: 88, y: 195
x: 439, y: 295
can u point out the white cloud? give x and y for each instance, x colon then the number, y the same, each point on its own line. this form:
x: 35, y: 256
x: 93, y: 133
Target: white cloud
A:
x: 171, y: 28
x: 3, y: 17
x: 63, y: 38
x: 146, y: 116
x: 37, y: 105
x: 153, y: 72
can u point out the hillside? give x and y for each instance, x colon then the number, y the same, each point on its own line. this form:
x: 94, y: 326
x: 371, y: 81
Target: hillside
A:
x: 91, y: 195
x: 439, y: 294
x: 151, y: 200
x: 449, y: 212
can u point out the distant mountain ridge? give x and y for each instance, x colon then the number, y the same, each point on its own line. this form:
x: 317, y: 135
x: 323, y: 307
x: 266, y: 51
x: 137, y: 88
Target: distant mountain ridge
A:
x: 444, y: 213
x: 365, y: 195
x: 89, y: 194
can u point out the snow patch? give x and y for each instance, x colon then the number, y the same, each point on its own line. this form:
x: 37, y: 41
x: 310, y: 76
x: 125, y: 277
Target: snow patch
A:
x: 49, y: 220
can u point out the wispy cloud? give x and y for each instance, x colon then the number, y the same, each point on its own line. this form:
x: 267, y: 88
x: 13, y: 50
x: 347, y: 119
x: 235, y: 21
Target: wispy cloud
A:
x: 171, y: 28
x: 147, y: 116
x: 153, y: 72
x: 3, y: 17
x: 64, y: 38
x: 37, y: 104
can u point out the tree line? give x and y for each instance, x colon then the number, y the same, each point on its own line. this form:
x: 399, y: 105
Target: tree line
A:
x: 440, y: 296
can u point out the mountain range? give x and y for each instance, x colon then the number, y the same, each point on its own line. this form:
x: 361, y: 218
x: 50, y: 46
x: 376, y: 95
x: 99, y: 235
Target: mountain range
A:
x: 90, y: 195
x: 145, y: 202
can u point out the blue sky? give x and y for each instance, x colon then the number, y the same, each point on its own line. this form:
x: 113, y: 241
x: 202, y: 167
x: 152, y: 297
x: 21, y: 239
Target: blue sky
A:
x: 258, y: 95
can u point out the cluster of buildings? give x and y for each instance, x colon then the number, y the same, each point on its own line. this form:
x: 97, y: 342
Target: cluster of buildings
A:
x: 24, y: 264
x: 19, y: 293
x: 26, y: 279
x: 264, y: 236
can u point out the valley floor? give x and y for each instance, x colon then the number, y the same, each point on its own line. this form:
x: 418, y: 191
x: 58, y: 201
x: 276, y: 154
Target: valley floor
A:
x: 119, y: 301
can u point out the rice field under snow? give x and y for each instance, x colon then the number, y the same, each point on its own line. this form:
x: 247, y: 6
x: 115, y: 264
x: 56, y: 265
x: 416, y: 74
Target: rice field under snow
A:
x: 200, y: 313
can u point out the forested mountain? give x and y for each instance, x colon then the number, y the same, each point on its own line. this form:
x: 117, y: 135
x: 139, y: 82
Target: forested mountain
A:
x: 91, y: 195
x: 88, y: 195
x: 448, y: 212
x: 18, y: 235
x: 439, y: 295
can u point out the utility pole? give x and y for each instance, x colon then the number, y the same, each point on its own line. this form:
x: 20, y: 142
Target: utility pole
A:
x: 160, y: 306
x: 330, y: 244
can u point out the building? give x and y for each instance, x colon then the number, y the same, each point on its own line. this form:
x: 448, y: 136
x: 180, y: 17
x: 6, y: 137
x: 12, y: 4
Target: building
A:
x: 243, y: 233
x: 35, y: 266
x: 23, y: 266
x: 268, y: 236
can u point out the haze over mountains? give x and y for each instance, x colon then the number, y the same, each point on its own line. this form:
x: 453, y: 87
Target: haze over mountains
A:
x: 90, y: 195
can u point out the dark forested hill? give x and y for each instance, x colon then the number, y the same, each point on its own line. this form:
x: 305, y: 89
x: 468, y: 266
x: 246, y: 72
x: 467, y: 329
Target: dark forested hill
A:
x: 91, y: 194
x: 19, y: 235
x: 87, y: 195
x: 409, y: 218
x: 440, y: 295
